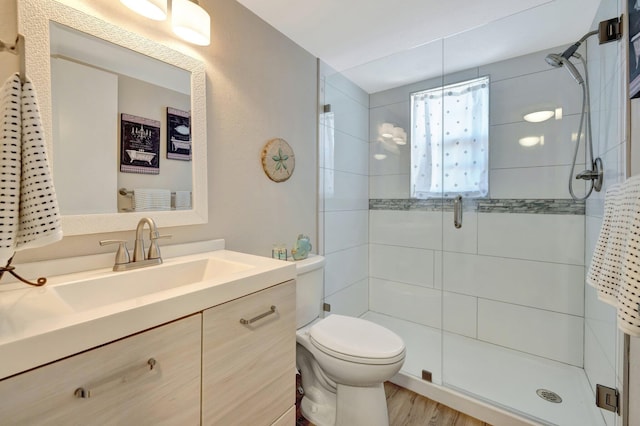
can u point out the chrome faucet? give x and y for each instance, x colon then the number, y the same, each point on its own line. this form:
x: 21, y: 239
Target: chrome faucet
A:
x: 138, y: 248
x: 140, y: 260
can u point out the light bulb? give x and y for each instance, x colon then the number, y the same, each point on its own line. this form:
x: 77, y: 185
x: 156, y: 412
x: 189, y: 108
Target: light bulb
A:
x: 529, y: 141
x: 399, y: 136
x: 191, y: 22
x: 386, y: 130
x: 152, y: 9
x: 538, y: 116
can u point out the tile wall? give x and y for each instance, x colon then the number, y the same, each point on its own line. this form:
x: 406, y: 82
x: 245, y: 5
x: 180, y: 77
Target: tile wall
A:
x: 506, y: 277
x: 510, y: 278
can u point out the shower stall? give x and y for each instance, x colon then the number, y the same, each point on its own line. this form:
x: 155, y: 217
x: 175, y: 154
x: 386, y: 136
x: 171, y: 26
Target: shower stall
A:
x: 445, y: 216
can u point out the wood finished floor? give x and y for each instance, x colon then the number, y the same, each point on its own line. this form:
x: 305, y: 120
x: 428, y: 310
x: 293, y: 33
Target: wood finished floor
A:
x: 407, y: 408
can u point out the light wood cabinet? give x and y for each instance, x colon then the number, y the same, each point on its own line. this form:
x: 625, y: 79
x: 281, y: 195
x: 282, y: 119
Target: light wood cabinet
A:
x: 287, y: 419
x: 246, y: 372
x: 249, y: 366
x: 119, y: 385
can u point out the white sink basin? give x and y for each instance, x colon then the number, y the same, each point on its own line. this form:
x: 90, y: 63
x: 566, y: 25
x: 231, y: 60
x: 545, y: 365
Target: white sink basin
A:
x: 119, y: 286
x: 85, y: 304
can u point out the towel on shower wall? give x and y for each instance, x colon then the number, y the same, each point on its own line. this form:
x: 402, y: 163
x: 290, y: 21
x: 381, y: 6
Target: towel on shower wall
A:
x: 629, y: 289
x: 615, y: 265
x: 603, y: 250
x: 606, y: 264
x: 151, y: 199
x: 29, y: 214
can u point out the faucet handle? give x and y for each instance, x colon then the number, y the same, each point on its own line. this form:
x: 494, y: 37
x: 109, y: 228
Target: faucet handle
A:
x: 154, y: 249
x: 122, y: 255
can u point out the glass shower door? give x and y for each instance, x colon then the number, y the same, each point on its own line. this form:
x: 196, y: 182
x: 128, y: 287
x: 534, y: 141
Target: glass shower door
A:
x: 513, y: 262
x: 405, y: 232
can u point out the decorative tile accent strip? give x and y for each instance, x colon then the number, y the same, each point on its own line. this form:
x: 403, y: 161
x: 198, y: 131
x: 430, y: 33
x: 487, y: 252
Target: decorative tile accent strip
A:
x: 499, y: 205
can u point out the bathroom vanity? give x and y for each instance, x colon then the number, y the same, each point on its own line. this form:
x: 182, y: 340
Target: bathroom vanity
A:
x: 218, y: 348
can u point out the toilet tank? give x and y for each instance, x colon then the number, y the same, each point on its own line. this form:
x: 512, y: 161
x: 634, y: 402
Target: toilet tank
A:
x: 309, y: 289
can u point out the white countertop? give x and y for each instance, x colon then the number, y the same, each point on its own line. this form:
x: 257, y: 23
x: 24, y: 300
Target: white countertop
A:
x: 38, y: 327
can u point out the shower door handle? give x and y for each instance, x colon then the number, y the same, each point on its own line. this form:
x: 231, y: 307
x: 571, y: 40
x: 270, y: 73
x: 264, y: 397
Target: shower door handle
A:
x: 457, y: 212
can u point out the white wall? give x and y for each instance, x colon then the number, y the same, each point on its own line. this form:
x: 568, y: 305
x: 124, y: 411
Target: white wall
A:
x: 89, y: 130
x: 344, y: 193
x: 260, y: 85
x: 8, y: 30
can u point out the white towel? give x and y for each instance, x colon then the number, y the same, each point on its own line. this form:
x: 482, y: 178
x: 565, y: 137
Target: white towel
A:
x: 29, y: 213
x: 606, y: 262
x: 151, y: 199
x: 629, y: 289
x: 615, y: 265
x: 183, y: 200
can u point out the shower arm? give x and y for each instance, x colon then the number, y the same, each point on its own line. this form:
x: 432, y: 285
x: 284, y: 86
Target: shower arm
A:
x: 574, y: 47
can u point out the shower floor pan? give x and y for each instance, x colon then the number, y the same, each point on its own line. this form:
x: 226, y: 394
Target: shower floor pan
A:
x: 492, y: 383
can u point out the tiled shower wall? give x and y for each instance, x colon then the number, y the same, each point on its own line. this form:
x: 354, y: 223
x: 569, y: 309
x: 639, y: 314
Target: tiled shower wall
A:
x: 508, y: 277
x: 515, y: 279
x: 344, y: 193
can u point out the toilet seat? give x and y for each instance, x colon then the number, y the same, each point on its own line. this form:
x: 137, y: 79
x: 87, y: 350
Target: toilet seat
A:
x: 356, y: 340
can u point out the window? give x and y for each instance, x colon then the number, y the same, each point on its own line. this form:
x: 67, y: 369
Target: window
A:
x: 450, y: 140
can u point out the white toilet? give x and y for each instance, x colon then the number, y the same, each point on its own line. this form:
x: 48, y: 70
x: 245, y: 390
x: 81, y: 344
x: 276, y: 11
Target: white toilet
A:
x: 344, y: 361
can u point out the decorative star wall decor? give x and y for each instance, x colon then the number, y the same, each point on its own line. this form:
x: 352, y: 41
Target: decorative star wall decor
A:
x: 278, y: 160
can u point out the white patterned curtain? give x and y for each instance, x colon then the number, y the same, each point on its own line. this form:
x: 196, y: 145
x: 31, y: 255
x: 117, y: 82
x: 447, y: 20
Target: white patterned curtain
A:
x: 450, y: 140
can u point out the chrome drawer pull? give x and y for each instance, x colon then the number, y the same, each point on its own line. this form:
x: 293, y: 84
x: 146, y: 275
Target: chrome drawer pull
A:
x: 128, y: 376
x: 271, y: 310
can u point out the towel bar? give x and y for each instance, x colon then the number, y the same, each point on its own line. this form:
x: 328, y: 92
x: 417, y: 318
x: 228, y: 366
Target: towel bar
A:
x: 17, y: 49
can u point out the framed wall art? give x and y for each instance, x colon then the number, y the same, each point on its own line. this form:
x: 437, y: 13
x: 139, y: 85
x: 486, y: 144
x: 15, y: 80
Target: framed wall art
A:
x: 634, y: 48
x: 139, y: 145
x: 178, y: 134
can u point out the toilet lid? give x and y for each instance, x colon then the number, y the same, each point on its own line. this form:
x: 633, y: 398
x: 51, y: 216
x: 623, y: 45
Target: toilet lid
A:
x: 356, y: 337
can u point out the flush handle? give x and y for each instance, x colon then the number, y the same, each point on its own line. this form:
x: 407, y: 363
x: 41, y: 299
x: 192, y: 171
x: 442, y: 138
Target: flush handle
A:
x: 457, y: 212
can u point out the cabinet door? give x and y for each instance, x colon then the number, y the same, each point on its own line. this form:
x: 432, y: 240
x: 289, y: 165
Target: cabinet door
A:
x: 248, y: 370
x: 121, y: 386
x: 287, y: 419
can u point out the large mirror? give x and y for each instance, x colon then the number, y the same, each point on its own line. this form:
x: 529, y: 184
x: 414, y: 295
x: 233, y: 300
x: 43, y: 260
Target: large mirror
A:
x: 143, y: 130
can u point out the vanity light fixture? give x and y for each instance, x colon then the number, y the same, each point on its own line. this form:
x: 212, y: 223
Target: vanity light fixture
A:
x: 538, y: 116
x: 530, y: 141
x: 396, y: 134
x: 558, y: 113
x: 399, y: 136
x: 152, y: 9
x: 191, y: 22
x: 386, y: 130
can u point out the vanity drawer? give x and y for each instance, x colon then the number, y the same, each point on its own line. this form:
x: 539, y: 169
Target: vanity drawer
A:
x: 118, y: 383
x: 287, y: 419
x: 248, y: 369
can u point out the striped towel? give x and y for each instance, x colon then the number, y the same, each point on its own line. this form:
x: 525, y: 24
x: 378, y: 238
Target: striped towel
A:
x: 183, y: 200
x: 629, y: 289
x: 615, y: 265
x: 151, y: 199
x: 29, y: 213
x: 604, y: 270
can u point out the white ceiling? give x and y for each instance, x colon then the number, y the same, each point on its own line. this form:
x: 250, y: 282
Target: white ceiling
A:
x: 380, y: 44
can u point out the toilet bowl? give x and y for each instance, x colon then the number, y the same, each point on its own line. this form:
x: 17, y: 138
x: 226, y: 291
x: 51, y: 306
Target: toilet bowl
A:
x: 343, y: 360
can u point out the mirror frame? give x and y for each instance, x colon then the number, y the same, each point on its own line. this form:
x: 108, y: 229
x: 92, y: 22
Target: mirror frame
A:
x: 33, y: 23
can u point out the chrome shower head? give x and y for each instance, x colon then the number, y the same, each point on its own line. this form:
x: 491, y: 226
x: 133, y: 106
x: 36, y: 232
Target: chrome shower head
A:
x: 557, y: 61
x: 554, y: 59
